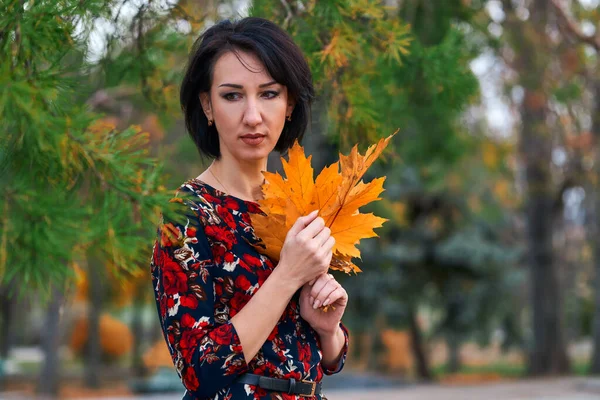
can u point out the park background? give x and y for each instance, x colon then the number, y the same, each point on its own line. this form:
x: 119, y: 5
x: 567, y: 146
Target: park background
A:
x: 487, y: 270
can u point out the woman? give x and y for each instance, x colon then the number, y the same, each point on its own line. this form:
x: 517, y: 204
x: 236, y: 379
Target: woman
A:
x: 237, y: 325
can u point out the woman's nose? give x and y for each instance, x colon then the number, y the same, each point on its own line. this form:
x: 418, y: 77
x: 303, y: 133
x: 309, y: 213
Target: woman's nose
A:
x: 252, y: 115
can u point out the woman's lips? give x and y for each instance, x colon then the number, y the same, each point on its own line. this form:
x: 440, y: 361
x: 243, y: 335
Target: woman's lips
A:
x: 253, y: 140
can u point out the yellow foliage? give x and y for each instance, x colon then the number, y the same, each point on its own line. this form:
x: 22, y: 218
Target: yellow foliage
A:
x: 490, y: 155
x: 334, y: 52
x: 115, y: 337
x: 399, y: 209
x: 158, y: 356
x: 81, y: 283
x: 103, y: 125
x: 587, y: 253
x: 398, y: 356
x: 337, y: 193
x: 123, y: 289
x: 502, y: 191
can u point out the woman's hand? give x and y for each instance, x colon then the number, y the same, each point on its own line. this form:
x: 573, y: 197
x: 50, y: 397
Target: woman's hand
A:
x: 325, y: 291
x: 307, y: 250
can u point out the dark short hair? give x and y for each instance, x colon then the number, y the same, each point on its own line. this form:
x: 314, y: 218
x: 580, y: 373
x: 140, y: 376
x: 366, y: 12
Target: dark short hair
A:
x: 280, y: 55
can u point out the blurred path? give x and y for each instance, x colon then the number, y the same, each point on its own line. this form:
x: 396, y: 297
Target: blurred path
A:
x: 546, y: 389
x: 543, y: 389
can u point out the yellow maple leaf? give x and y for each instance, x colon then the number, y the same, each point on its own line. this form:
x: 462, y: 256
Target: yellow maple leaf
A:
x: 338, y: 193
x: 271, y: 230
x: 328, y: 182
x: 349, y: 229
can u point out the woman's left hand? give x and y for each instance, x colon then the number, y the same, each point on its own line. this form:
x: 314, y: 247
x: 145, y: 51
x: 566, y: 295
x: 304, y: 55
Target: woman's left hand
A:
x: 325, y: 291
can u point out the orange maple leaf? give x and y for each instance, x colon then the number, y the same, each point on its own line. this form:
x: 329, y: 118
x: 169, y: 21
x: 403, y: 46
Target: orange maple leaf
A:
x: 338, y: 193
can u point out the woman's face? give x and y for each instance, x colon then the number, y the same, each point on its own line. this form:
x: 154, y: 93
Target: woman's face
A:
x: 247, y: 106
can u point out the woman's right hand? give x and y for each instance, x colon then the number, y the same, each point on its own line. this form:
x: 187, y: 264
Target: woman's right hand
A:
x: 307, y: 249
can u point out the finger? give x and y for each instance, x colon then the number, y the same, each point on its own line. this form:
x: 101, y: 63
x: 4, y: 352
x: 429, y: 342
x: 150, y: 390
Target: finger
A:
x: 314, y: 279
x: 325, y: 253
x: 320, y: 282
x: 312, y: 229
x: 335, y: 296
x: 324, y: 293
x: 303, y: 222
x: 305, y: 298
x: 329, y: 243
x: 323, y: 236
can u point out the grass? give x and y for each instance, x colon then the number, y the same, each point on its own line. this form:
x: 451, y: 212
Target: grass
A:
x: 504, y: 370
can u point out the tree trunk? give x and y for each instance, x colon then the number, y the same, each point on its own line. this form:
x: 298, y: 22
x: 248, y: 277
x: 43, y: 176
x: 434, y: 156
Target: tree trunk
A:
x: 595, y: 364
x: 375, y: 363
x: 454, y: 362
x: 7, y: 308
x: 93, y: 350
x: 7, y: 312
x: 137, y: 329
x: 532, y: 57
x: 422, y: 364
x: 49, y: 380
x: 548, y: 354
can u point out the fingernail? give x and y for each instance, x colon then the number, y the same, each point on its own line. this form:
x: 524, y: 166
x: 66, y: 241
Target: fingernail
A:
x: 311, y: 282
x: 326, y: 302
x: 316, y: 305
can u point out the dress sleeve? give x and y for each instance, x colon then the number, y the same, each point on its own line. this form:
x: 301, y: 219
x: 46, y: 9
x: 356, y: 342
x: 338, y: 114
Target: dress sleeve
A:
x: 207, y: 354
x: 340, y: 365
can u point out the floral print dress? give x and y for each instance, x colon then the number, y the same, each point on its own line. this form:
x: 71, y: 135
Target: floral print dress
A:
x: 204, y: 270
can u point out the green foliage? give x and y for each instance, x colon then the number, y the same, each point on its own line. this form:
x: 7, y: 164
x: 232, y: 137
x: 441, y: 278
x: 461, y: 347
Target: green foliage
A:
x: 429, y: 91
x: 70, y: 182
x: 443, y: 252
x: 344, y: 42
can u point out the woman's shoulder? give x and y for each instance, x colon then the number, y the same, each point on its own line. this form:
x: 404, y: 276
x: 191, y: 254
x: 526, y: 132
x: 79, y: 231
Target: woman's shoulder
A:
x: 197, y: 192
x: 210, y: 198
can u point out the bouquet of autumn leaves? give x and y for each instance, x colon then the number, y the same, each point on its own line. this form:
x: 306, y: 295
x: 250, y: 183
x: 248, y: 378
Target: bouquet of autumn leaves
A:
x: 338, y: 193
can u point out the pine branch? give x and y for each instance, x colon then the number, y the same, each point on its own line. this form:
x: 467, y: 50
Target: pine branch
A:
x: 4, y: 240
x: 104, y: 182
x: 574, y: 30
x: 289, y: 16
x: 177, y: 10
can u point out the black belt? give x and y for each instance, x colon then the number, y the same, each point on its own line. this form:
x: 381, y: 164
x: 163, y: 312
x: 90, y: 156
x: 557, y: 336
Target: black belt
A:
x: 289, y: 386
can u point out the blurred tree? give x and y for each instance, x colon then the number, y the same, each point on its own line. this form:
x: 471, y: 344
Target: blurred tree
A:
x: 343, y: 42
x: 452, y: 183
x: 68, y: 184
x: 422, y: 85
x: 580, y: 61
x: 550, y: 72
x: 135, y: 82
x: 595, y: 363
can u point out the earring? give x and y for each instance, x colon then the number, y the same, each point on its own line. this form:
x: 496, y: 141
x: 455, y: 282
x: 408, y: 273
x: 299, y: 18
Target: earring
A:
x: 210, y: 122
x: 289, y: 117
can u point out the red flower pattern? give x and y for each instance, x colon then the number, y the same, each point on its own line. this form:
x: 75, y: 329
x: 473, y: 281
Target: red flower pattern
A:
x: 197, y: 297
x: 174, y: 277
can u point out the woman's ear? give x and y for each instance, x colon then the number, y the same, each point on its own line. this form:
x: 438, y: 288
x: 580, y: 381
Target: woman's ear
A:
x: 290, y: 108
x: 205, y: 103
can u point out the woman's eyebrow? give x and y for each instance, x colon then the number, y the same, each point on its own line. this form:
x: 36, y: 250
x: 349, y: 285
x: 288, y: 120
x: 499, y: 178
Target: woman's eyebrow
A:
x: 267, y: 84
x: 236, y: 86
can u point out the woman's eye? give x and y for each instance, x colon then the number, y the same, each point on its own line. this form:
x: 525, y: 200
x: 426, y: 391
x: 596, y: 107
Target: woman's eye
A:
x: 271, y: 94
x: 231, y: 96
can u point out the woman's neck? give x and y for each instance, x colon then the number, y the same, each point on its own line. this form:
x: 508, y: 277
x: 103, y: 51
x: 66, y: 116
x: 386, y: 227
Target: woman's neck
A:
x: 243, y: 180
